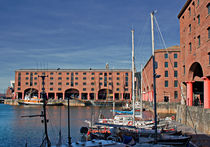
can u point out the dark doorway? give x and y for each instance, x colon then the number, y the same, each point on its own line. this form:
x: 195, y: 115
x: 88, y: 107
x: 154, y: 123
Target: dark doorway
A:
x: 19, y: 95
x: 166, y: 98
x: 198, y: 98
x: 117, y: 96
x: 92, y: 96
x: 51, y: 95
x: 84, y: 96
x: 126, y: 96
x: 196, y: 74
x: 105, y: 94
x: 71, y: 93
x: 60, y: 96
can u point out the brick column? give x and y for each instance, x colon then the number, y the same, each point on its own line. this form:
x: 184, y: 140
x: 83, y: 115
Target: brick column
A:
x: 63, y: 95
x: 88, y: 96
x: 80, y: 96
x: 96, y: 97
x: 38, y: 95
x: 147, y: 96
x: 113, y: 96
x: 23, y: 95
x: 190, y: 93
x: 55, y: 96
x: 150, y: 96
x: 122, y: 96
x: 206, y: 93
x: 47, y: 94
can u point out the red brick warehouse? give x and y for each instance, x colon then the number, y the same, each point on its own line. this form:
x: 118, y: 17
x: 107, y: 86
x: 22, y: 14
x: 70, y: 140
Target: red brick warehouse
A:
x: 194, y: 20
x: 91, y: 84
x: 167, y: 86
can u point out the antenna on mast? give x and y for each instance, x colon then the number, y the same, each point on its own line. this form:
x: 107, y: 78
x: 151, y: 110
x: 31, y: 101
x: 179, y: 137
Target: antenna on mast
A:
x: 133, y: 75
x: 44, y: 97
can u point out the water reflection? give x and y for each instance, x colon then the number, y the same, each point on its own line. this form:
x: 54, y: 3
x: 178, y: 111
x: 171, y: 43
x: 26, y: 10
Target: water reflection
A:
x: 16, y: 130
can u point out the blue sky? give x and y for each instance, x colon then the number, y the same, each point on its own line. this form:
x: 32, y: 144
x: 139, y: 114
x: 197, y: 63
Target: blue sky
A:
x: 81, y: 34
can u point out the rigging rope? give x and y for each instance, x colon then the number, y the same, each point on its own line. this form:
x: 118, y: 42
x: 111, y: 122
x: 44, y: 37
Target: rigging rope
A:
x: 163, y: 41
x: 143, y: 33
x: 53, y: 127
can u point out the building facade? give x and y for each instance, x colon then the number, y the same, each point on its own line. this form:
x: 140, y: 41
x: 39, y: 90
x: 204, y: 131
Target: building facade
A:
x: 194, y: 20
x: 104, y: 84
x: 168, y: 84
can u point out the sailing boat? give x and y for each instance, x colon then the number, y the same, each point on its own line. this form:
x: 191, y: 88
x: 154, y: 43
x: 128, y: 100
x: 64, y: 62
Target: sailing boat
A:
x: 154, y: 135
x: 159, y: 138
x: 130, y: 118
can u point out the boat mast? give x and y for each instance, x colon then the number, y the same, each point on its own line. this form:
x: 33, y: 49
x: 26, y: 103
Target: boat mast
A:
x: 44, y: 97
x: 69, y: 137
x: 133, y: 72
x: 141, y: 111
x: 154, y: 75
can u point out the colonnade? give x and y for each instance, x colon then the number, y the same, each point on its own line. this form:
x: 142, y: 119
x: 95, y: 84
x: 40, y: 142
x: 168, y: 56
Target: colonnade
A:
x: 206, y: 91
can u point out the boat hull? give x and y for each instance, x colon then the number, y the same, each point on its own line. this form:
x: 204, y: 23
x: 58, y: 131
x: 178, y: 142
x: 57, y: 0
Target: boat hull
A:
x: 28, y: 102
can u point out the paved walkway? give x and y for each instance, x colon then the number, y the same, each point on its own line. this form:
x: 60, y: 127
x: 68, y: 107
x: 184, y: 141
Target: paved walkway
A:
x: 198, y: 138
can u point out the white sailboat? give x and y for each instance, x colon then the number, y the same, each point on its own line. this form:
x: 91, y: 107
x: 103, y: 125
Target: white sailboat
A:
x: 158, y: 138
x: 130, y: 118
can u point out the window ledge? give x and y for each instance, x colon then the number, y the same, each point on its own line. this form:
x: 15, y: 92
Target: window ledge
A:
x: 208, y: 40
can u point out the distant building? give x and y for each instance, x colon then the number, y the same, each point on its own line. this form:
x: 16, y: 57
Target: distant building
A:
x: 87, y: 84
x: 194, y: 20
x: 10, y: 92
x: 168, y: 67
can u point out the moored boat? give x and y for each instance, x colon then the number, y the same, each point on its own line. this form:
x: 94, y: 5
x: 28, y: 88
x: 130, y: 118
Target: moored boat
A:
x: 36, y: 101
x: 32, y: 101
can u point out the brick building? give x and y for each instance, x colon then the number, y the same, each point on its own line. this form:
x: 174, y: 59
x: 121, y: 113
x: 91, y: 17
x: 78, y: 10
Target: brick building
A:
x: 91, y: 84
x: 194, y: 20
x: 168, y: 67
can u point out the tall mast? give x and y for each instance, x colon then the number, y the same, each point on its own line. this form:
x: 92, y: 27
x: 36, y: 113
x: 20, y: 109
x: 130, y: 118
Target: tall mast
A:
x: 69, y: 137
x: 133, y: 72
x: 43, y: 95
x: 141, y: 111
x: 154, y: 75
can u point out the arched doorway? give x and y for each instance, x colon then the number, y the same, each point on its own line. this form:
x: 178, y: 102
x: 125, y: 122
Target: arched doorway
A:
x: 105, y: 94
x: 195, y: 76
x: 71, y: 93
x: 30, y: 93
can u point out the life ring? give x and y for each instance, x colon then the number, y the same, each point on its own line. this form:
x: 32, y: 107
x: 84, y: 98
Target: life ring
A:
x: 104, y: 121
x: 173, y: 117
x: 130, y: 123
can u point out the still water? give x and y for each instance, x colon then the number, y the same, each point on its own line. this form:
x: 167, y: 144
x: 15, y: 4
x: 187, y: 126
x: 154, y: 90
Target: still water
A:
x: 15, y: 130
